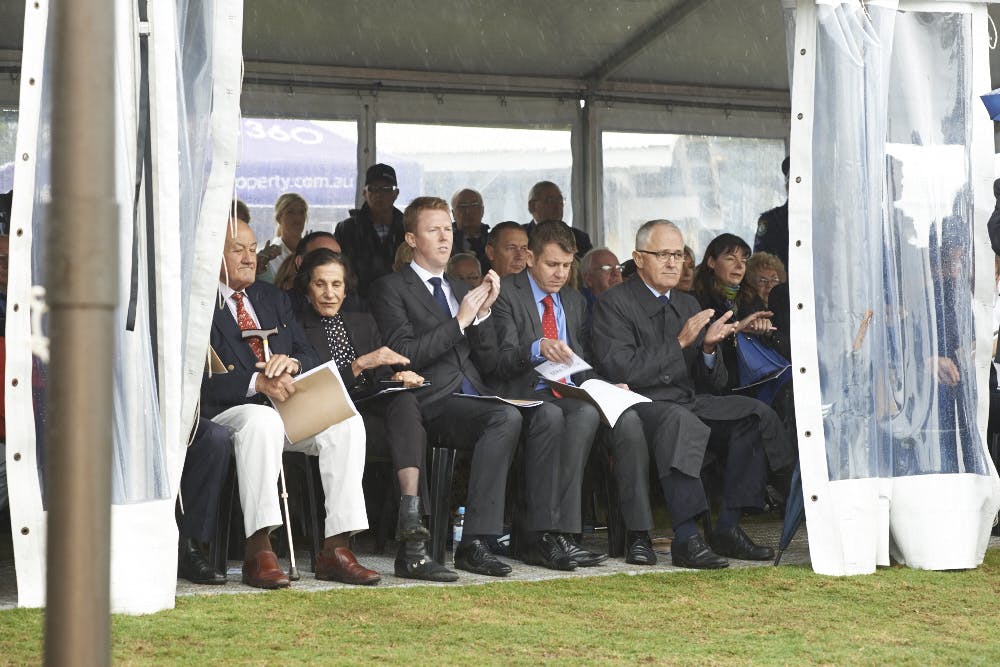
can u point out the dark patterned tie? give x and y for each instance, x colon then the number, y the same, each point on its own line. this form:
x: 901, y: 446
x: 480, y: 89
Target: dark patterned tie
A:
x: 245, y: 322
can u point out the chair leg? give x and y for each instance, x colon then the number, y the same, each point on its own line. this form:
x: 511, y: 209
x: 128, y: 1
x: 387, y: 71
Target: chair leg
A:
x: 442, y: 466
x: 316, y: 524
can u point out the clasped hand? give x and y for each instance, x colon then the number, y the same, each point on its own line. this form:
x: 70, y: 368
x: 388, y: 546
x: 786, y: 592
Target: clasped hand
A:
x: 479, y: 300
x: 275, y: 377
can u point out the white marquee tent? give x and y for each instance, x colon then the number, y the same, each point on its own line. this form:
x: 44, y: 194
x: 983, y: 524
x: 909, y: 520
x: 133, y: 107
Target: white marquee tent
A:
x: 890, y: 187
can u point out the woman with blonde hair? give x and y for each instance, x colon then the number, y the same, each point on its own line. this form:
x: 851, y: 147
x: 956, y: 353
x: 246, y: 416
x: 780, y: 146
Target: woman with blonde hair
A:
x: 290, y: 214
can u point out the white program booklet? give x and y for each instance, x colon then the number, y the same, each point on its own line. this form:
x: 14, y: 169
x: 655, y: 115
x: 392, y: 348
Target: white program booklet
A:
x: 551, y: 370
x: 610, y: 401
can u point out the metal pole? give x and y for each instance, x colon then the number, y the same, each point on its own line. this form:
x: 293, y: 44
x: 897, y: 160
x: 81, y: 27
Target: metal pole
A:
x: 82, y: 289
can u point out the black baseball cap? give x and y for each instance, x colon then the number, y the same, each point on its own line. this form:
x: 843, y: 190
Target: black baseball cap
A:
x: 382, y: 172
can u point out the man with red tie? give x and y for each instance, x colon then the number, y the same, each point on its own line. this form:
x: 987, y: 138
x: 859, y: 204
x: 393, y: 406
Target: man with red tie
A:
x: 240, y: 400
x: 539, y: 318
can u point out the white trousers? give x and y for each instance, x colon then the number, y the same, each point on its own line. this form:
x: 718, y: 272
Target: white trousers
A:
x: 258, y: 441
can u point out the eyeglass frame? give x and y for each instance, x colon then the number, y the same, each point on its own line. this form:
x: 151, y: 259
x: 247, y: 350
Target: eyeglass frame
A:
x: 662, y: 256
x: 608, y: 268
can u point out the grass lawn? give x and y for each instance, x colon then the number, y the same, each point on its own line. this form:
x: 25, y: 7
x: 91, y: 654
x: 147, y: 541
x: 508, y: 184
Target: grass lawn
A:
x: 785, y: 615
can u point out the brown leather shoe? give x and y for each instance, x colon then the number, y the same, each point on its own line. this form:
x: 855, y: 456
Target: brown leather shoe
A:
x: 342, y: 566
x: 262, y: 571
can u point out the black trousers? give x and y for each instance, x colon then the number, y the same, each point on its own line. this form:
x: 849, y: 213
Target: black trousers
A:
x: 395, y: 420
x: 649, y: 428
x: 206, y: 465
x: 491, y: 431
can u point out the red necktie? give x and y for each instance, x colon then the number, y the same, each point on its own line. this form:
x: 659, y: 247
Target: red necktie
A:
x: 549, y: 327
x: 246, y: 322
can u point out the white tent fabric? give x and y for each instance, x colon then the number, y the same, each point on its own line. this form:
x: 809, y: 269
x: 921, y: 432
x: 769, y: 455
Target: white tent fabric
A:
x: 884, y: 107
x: 872, y: 420
x: 195, y: 66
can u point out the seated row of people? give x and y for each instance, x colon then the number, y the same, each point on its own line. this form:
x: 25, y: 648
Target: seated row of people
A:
x: 646, y: 336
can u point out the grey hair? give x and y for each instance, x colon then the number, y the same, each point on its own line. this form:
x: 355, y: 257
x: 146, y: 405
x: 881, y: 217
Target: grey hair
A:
x: 642, y: 236
x: 533, y: 193
x: 454, y: 197
x: 588, y: 259
x: 460, y: 257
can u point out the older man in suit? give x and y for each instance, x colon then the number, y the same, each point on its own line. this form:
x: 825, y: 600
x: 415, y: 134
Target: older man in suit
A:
x: 659, y: 341
x: 538, y: 319
x: 239, y: 400
x: 447, y: 332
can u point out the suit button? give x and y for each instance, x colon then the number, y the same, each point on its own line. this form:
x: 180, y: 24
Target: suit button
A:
x: 230, y: 367
x: 666, y: 379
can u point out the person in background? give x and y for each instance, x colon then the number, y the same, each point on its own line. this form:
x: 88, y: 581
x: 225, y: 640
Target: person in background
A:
x: 600, y: 270
x: 465, y: 267
x: 404, y: 255
x: 469, y: 231
x: 546, y: 202
x: 772, y: 227
x: 371, y: 235
x: 290, y: 213
x: 507, y: 248
x: 686, y: 283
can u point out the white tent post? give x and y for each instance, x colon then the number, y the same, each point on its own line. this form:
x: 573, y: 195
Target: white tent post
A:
x: 82, y: 292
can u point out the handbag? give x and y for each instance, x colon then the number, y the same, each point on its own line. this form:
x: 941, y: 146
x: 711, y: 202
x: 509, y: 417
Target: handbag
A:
x: 761, y: 371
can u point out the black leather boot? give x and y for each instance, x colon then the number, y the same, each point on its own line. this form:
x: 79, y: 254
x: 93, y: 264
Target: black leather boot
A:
x: 193, y: 566
x: 413, y: 562
x: 410, y: 526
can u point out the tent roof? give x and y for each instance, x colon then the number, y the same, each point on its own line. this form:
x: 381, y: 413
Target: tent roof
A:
x: 723, y: 52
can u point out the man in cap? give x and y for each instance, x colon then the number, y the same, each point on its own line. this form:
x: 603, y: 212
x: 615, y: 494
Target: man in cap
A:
x: 369, y: 237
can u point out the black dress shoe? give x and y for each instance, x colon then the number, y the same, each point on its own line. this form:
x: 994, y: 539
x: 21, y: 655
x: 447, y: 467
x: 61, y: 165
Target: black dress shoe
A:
x: 191, y: 565
x: 696, y: 555
x: 734, y: 543
x: 547, y: 552
x: 474, y: 556
x: 413, y: 562
x: 582, y: 557
x: 640, y: 549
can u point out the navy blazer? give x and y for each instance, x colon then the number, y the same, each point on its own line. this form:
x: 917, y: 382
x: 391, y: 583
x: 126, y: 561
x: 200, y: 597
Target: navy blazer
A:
x: 518, y: 325
x: 220, y: 392
x: 415, y: 326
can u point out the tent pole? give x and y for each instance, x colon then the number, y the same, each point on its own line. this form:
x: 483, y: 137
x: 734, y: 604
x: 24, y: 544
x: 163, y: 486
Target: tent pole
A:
x: 82, y: 289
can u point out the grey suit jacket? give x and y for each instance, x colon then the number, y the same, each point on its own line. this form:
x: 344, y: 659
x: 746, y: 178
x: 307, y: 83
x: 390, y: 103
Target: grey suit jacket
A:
x: 414, y: 325
x: 518, y: 325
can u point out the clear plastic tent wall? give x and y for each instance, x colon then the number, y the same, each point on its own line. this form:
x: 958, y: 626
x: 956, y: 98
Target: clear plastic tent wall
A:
x: 193, y: 73
x: 891, y: 396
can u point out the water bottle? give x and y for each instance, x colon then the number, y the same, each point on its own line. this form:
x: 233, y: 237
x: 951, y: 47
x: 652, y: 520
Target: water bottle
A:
x: 456, y: 528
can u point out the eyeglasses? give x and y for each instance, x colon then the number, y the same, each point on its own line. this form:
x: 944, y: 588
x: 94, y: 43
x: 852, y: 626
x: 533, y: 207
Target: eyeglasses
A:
x: 663, y: 256
x: 607, y: 268
x: 552, y: 200
x: 380, y: 189
x: 474, y: 204
x: 768, y: 281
